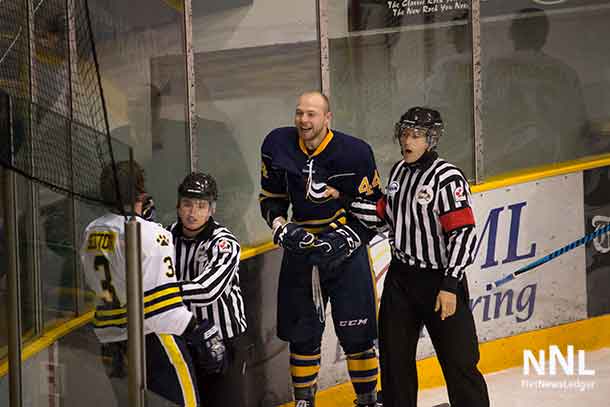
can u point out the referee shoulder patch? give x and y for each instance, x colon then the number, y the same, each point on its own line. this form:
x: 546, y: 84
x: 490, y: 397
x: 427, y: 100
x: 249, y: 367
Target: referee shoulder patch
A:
x: 224, y: 246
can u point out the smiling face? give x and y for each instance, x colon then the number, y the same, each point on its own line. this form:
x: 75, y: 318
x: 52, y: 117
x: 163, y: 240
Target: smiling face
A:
x: 312, y: 118
x: 413, y: 143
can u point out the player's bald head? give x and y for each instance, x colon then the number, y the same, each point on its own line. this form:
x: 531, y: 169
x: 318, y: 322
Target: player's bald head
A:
x: 316, y: 98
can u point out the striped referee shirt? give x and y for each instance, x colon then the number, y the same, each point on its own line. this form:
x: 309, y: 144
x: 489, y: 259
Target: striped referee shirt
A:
x: 207, y: 267
x: 427, y: 207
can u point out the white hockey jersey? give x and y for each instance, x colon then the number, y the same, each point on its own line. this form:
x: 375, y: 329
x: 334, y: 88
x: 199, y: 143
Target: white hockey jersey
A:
x: 103, y: 260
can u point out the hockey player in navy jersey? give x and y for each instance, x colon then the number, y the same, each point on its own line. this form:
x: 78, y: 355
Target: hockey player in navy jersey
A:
x: 325, y: 256
x: 169, y: 327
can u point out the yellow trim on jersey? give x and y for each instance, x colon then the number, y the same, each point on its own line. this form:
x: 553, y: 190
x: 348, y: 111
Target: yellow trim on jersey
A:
x: 171, y: 290
x: 329, y: 136
x: 117, y: 321
x: 304, y: 357
x: 315, y: 230
x: 162, y: 304
x: 326, y: 221
x: 148, y: 298
x: 182, y: 371
x: 111, y: 312
x: 123, y: 311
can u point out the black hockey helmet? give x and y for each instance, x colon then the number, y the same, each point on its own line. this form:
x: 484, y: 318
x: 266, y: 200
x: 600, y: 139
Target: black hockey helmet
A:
x: 198, y: 185
x: 421, y: 118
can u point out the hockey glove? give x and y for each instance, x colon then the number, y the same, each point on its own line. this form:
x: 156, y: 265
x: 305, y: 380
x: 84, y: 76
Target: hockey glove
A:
x: 207, y: 348
x: 333, y: 248
x: 293, y: 238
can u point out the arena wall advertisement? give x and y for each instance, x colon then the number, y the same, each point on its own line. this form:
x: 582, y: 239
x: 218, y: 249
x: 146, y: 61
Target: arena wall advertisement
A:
x: 515, y: 225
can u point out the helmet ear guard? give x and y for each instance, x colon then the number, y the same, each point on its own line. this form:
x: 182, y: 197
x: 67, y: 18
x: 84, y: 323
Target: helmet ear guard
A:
x: 421, y: 118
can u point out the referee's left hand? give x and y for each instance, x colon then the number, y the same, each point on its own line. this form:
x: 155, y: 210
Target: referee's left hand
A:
x: 446, y: 302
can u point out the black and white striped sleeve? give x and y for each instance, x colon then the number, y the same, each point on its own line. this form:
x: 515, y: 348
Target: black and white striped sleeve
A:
x: 216, y: 274
x: 457, y: 220
x: 370, y: 213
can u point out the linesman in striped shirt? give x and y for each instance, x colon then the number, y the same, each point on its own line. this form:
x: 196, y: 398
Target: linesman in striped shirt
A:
x: 427, y: 209
x: 207, y: 265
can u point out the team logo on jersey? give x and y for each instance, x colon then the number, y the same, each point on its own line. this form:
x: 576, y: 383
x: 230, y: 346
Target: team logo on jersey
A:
x: 392, y: 188
x: 163, y: 240
x: 424, y: 195
x: 459, y: 194
x: 224, y: 246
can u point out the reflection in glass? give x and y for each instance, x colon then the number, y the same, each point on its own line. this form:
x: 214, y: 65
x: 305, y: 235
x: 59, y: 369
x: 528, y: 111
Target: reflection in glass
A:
x: 140, y: 48
x: 252, y: 59
x: 546, y: 88
x: 57, y: 257
x: 534, y: 109
x: 382, y: 63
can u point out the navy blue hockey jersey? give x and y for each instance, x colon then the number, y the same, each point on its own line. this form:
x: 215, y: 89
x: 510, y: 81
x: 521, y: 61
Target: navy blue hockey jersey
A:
x: 291, y: 175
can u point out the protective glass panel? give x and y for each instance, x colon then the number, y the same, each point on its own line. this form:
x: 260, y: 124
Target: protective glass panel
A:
x: 252, y: 60
x: 386, y: 57
x: 140, y: 44
x: 546, y: 89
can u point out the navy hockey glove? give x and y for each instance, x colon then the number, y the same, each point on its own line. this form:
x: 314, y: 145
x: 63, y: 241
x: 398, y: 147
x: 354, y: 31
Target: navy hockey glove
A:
x: 206, y: 346
x: 293, y: 238
x: 333, y: 248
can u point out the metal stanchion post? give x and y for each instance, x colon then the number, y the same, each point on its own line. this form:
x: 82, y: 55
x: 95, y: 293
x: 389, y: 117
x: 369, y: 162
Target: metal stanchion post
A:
x: 135, y: 311
x: 135, y: 304
x: 9, y: 183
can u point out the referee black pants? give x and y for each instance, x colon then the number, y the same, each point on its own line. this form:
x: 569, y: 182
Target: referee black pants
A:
x: 407, y: 303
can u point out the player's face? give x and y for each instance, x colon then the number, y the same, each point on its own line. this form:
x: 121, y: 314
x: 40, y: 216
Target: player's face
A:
x: 194, y: 213
x: 413, y: 143
x: 311, y: 118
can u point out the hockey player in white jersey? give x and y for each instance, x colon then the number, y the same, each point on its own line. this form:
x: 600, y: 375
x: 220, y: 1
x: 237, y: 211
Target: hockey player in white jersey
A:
x: 169, y: 327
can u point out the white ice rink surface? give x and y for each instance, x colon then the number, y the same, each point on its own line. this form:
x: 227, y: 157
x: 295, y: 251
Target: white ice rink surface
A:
x: 509, y: 388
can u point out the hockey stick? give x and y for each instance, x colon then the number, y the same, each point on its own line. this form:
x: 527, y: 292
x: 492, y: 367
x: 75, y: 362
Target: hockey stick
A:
x: 583, y: 240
